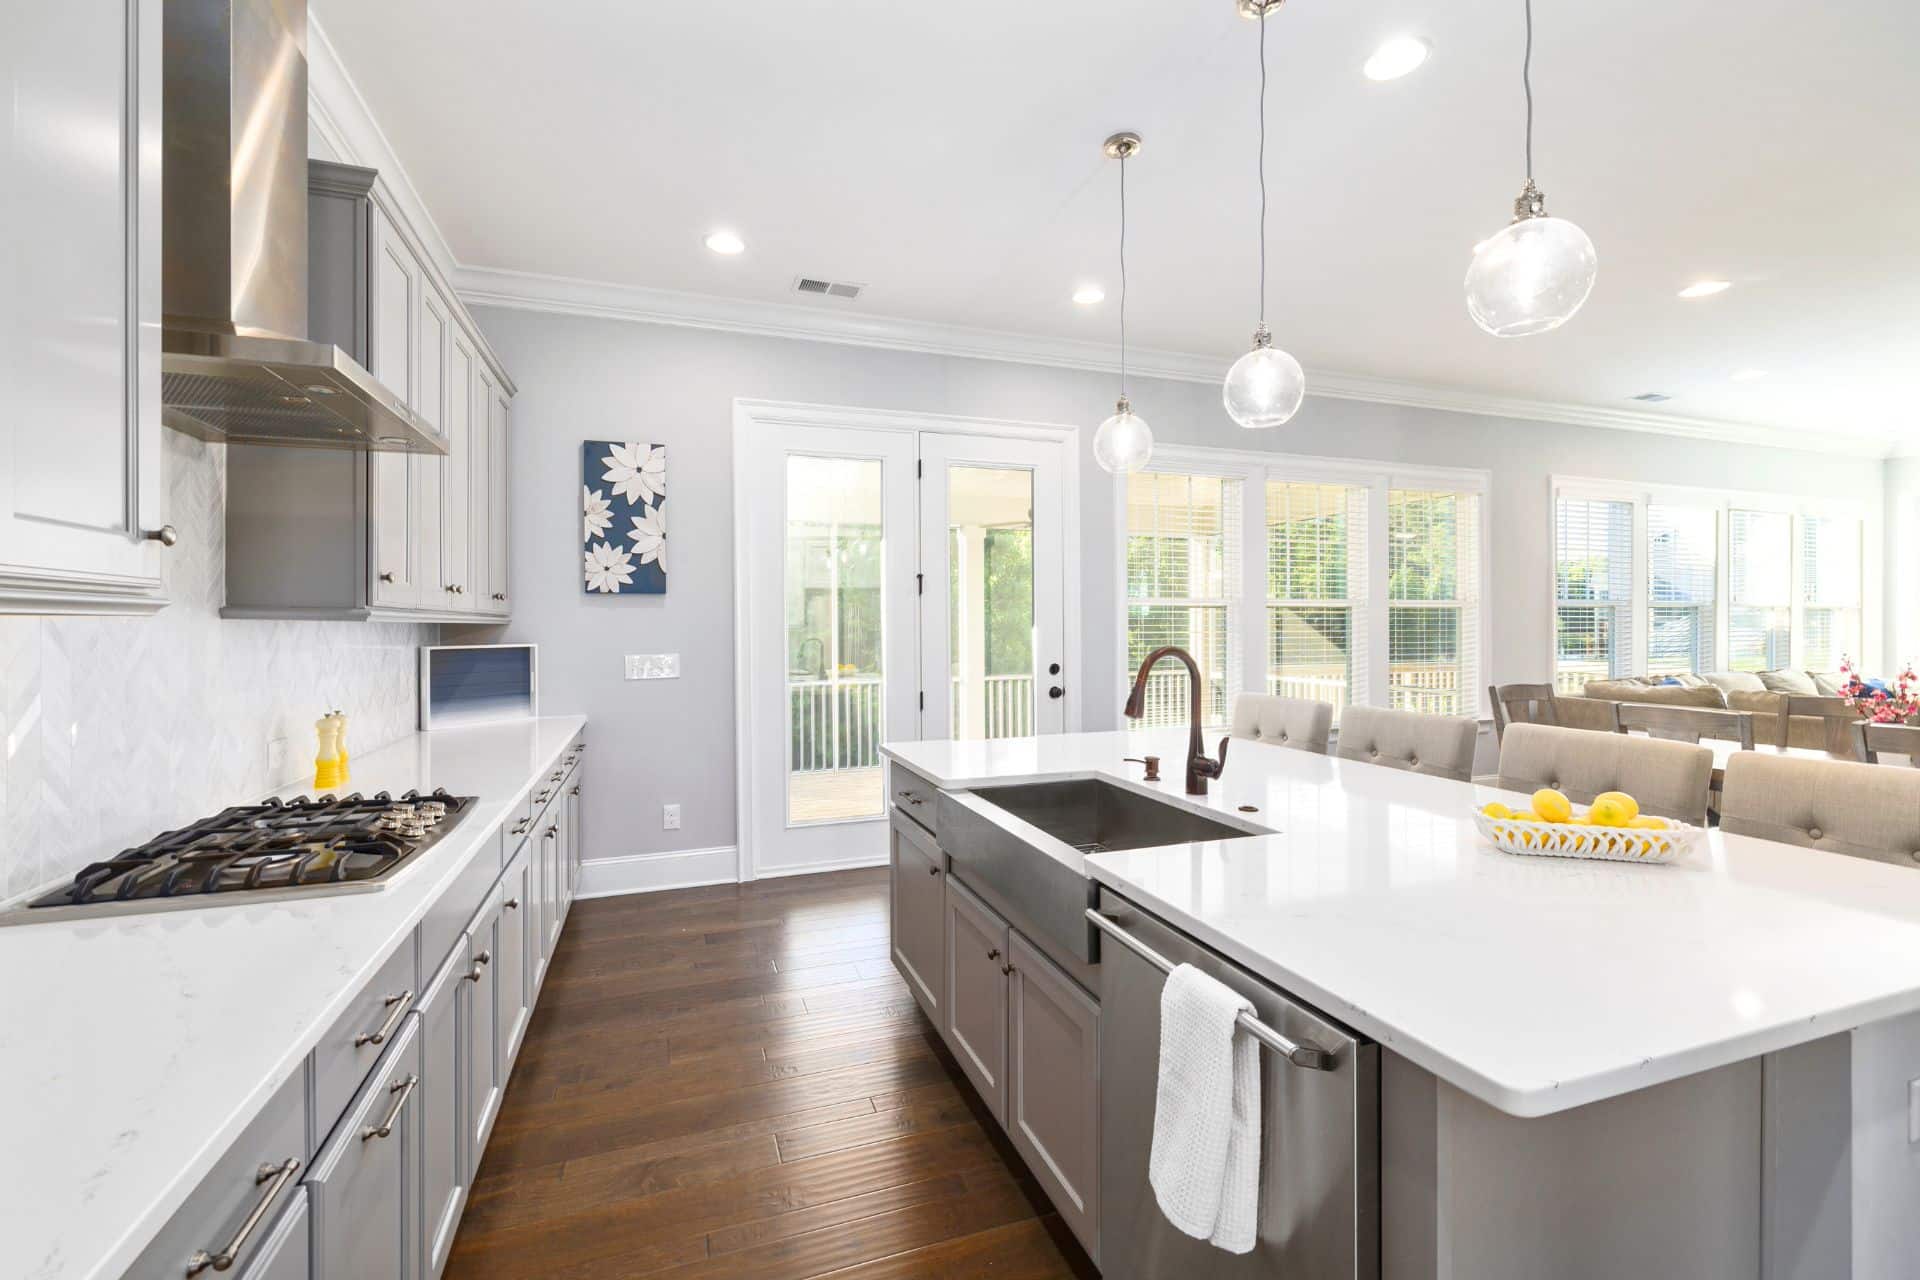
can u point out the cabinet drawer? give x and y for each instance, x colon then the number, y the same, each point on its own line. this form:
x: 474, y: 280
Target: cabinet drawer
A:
x: 348, y: 1051
x: 237, y: 1204
x: 912, y: 795
x: 363, y: 1191
x: 448, y: 918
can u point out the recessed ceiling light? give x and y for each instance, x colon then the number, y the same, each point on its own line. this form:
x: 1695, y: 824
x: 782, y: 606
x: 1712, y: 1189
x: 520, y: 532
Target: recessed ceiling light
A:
x: 1088, y: 294
x: 1749, y: 375
x: 1706, y: 288
x: 1396, y: 58
x: 726, y: 242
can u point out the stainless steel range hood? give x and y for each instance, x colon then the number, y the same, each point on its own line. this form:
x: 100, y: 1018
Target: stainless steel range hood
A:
x: 235, y: 364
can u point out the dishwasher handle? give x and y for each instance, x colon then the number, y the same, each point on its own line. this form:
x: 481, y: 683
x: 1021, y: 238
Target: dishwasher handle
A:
x: 1309, y: 1056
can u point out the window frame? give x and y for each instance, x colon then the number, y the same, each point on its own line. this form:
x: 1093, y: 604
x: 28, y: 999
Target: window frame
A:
x: 1247, y: 616
x: 1722, y: 502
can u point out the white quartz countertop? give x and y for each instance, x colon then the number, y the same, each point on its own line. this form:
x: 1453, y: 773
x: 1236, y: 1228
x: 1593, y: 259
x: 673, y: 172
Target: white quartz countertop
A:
x: 134, y: 1049
x: 1534, y: 984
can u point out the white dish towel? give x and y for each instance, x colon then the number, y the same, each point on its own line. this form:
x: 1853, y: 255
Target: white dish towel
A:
x: 1205, y: 1166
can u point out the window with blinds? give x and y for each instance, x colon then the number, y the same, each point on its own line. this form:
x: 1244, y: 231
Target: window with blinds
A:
x: 1316, y: 592
x: 1593, y: 591
x: 1759, y: 590
x: 1183, y: 588
x: 1433, y: 569
x: 1830, y: 590
x: 1682, y: 586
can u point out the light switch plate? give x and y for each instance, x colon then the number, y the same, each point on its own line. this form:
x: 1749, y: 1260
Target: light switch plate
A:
x: 670, y: 817
x: 653, y: 666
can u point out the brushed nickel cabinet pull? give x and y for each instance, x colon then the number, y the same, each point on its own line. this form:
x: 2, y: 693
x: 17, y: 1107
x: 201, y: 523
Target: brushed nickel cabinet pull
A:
x: 385, y: 1127
x: 399, y: 1004
x: 542, y: 797
x: 574, y: 792
x: 551, y: 832
x: 499, y: 595
x: 933, y: 871
x: 520, y: 827
x: 1008, y: 971
x: 479, y: 966
x: 387, y: 576
x: 281, y: 1176
x: 994, y: 954
x: 511, y: 904
x: 166, y: 535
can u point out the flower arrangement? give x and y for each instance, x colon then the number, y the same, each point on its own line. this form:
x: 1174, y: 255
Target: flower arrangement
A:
x: 1878, y: 701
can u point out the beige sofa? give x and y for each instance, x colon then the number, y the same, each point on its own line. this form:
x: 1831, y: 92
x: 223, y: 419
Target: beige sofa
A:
x: 1818, y: 720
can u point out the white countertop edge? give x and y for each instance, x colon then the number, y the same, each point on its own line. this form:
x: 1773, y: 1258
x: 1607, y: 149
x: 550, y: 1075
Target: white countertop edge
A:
x: 482, y: 819
x: 1523, y: 1099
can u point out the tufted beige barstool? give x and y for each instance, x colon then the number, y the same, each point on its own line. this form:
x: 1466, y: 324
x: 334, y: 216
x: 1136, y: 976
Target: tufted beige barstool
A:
x: 1834, y: 805
x: 1438, y: 745
x: 1670, y: 779
x: 1282, y: 722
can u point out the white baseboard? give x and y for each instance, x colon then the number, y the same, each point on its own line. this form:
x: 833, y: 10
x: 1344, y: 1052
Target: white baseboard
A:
x: 819, y: 868
x: 653, y: 872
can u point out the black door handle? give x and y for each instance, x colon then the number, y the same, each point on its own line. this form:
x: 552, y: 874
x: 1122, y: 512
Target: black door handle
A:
x: 1056, y: 692
x: 1053, y: 668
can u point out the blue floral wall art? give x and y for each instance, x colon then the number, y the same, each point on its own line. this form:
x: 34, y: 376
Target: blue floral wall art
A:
x: 623, y: 504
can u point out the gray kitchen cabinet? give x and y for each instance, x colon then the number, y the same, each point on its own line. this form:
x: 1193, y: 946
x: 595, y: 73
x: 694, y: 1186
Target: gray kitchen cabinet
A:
x: 1053, y: 1086
x: 456, y: 481
x: 486, y: 1077
x: 539, y: 849
x: 977, y: 968
x: 513, y: 991
x: 576, y: 838
x: 80, y: 145
x: 395, y: 289
x: 553, y: 856
x: 353, y: 1046
x: 288, y: 1251
x: 917, y: 922
x: 499, y: 416
x: 364, y: 1187
x: 444, y: 1105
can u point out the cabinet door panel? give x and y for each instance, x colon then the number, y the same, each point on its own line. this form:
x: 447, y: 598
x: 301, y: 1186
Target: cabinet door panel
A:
x: 497, y: 596
x: 394, y: 359
x: 443, y: 1100
x: 364, y: 1187
x: 486, y: 1082
x: 1053, y: 1079
x: 510, y: 966
x: 976, y: 1023
x: 917, y: 918
x: 479, y: 493
x: 287, y: 1254
x: 456, y: 481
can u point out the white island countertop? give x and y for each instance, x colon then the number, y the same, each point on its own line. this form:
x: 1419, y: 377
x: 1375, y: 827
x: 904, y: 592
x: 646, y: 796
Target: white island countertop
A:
x: 1533, y: 984
x: 135, y: 1048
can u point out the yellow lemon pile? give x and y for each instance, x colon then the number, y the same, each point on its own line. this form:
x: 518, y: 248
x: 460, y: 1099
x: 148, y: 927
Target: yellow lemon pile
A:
x: 1609, y: 809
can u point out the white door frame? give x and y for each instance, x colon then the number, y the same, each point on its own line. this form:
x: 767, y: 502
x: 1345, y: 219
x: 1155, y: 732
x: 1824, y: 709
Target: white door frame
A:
x: 755, y: 423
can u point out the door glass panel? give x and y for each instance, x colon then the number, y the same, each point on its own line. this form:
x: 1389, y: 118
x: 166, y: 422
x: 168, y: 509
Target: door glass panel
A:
x: 990, y: 601
x: 834, y: 542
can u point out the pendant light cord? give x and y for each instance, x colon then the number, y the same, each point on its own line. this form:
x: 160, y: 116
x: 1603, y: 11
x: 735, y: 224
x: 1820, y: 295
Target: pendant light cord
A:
x: 1526, y: 82
x: 1123, y: 277
x: 1263, y: 167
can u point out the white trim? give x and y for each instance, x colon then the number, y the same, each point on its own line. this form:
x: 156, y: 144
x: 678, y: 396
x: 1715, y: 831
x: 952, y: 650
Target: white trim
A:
x: 562, y: 295
x: 654, y: 872
x: 820, y: 868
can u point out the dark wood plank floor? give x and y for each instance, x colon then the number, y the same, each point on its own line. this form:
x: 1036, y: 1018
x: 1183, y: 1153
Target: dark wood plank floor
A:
x: 734, y: 1082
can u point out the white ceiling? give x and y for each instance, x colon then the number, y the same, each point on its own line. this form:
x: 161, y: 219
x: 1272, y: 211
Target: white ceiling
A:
x: 947, y: 156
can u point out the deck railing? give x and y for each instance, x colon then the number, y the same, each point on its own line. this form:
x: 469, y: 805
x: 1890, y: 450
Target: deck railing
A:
x: 835, y: 723
x: 1007, y: 706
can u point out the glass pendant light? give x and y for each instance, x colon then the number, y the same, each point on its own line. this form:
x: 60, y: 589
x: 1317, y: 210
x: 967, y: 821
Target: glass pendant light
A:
x: 1123, y: 442
x: 1265, y: 386
x: 1535, y: 273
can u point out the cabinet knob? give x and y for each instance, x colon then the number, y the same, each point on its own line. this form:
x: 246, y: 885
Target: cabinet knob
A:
x: 512, y: 904
x: 166, y: 535
x: 499, y: 595
x: 387, y: 576
x: 933, y: 871
x: 1007, y: 971
x: 994, y: 954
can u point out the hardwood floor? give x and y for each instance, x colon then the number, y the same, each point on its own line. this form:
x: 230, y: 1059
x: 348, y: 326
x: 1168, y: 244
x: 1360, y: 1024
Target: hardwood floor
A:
x: 734, y: 1082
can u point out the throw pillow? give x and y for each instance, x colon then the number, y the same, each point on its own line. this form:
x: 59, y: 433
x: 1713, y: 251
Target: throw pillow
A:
x: 1797, y: 683
x: 1829, y: 683
x: 1735, y: 681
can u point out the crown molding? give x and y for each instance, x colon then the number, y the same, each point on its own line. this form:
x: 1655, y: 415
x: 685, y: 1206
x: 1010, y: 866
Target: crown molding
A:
x: 561, y: 295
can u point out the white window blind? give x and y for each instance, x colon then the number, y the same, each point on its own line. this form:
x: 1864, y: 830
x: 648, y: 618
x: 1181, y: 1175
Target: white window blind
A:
x: 1682, y: 578
x: 1184, y: 536
x: 1759, y: 590
x: 1316, y: 592
x: 1433, y: 591
x: 1830, y: 590
x: 1593, y: 591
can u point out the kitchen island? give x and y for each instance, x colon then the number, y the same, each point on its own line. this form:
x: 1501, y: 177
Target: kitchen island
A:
x: 1699, y: 1069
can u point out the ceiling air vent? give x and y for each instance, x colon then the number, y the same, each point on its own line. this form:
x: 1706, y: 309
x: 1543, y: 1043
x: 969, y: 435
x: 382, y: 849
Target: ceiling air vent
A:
x: 827, y: 288
x: 1652, y: 397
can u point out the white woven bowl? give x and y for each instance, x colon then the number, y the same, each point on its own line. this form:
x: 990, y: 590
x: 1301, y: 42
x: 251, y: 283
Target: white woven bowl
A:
x: 1568, y: 840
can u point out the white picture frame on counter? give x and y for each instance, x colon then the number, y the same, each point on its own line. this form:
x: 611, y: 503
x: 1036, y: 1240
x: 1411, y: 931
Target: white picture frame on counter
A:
x: 468, y: 684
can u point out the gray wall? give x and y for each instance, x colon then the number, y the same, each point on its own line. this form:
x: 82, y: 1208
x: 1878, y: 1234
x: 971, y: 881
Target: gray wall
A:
x: 589, y: 378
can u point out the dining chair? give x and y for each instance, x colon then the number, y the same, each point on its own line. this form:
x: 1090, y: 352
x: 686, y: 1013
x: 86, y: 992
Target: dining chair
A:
x: 1438, y: 745
x: 1839, y: 806
x: 1522, y: 704
x: 1836, y: 721
x: 1300, y: 723
x: 1670, y: 779
x: 1687, y: 724
x: 1869, y: 740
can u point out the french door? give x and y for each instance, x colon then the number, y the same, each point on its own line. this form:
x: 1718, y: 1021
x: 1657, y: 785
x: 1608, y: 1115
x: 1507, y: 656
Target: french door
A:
x: 898, y: 585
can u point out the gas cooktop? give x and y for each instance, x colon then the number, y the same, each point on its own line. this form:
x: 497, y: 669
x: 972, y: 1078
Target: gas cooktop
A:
x: 249, y: 852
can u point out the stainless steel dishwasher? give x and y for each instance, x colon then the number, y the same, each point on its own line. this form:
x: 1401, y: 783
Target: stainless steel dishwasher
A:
x: 1320, y: 1122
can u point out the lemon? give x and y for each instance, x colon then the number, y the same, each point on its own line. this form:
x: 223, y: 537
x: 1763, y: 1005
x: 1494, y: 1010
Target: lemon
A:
x: 1622, y: 799
x: 1648, y: 823
x: 1551, y: 805
x: 1607, y: 811
x: 1494, y: 809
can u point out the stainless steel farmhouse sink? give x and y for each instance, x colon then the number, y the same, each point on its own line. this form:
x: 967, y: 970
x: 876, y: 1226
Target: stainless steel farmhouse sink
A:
x: 1028, y: 843
x: 1094, y: 816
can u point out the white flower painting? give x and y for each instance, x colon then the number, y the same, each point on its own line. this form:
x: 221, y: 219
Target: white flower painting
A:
x: 623, y: 488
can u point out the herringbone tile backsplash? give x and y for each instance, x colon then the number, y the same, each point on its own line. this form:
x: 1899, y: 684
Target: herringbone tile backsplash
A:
x: 116, y: 729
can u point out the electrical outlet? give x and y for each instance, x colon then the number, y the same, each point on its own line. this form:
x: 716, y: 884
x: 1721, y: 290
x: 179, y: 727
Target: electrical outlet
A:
x: 276, y: 760
x: 670, y: 817
x: 653, y: 666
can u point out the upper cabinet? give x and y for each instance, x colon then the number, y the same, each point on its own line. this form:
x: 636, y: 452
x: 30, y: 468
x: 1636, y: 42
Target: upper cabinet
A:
x: 312, y: 533
x: 82, y: 519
